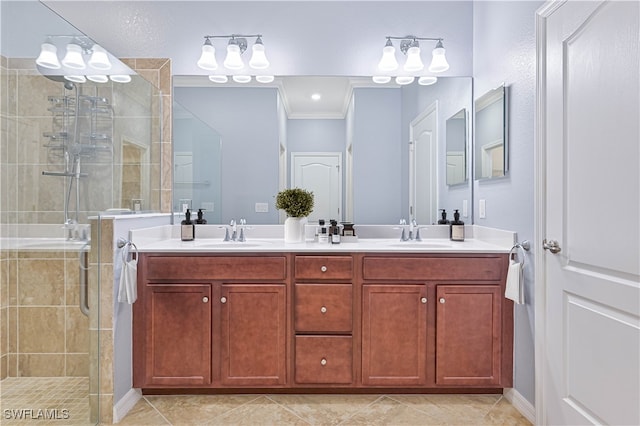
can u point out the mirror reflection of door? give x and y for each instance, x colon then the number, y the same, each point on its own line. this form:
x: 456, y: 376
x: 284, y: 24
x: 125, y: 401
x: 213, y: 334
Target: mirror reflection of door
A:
x: 320, y: 173
x: 423, y: 166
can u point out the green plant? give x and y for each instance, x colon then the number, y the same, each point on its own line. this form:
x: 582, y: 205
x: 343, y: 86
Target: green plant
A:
x: 295, y: 202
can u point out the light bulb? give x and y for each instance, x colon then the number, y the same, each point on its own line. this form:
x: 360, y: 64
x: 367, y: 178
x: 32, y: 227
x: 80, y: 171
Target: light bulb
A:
x: 233, y: 61
x: 48, y: 57
x: 122, y: 78
x: 414, y: 63
x: 427, y: 80
x: 207, y: 59
x: 73, y: 58
x: 403, y: 80
x: 99, y: 58
x: 438, y: 61
x: 218, y: 78
x: 241, y: 78
x: 264, y: 78
x: 388, y: 61
x: 258, y: 59
x: 381, y: 79
x: 98, y: 78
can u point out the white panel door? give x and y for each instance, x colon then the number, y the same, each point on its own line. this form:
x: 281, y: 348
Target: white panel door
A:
x: 423, y: 171
x: 320, y: 172
x: 589, y: 183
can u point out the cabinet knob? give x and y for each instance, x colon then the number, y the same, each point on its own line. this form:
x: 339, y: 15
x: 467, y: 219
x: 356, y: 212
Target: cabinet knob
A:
x: 223, y: 300
x: 323, y: 310
x: 323, y: 361
x: 205, y: 299
x: 423, y: 300
x: 323, y: 268
x: 442, y: 300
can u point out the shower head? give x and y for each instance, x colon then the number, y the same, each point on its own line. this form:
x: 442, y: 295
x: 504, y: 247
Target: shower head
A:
x: 69, y: 85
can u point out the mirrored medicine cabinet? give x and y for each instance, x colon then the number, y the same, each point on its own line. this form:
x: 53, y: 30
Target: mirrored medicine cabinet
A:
x: 491, y: 134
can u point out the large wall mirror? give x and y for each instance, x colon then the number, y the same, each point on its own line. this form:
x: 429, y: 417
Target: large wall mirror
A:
x: 491, y: 134
x: 265, y: 131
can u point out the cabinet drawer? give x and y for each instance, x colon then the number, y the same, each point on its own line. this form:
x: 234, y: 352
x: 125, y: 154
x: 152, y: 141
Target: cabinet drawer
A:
x: 217, y: 267
x: 323, y: 307
x: 324, y: 359
x: 433, y: 268
x: 324, y: 267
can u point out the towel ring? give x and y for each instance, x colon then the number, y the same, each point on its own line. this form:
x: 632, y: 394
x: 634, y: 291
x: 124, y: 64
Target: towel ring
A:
x: 523, y: 247
x: 124, y: 244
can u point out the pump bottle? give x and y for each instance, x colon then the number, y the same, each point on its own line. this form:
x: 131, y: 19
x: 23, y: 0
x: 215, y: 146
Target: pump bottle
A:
x: 187, y: 228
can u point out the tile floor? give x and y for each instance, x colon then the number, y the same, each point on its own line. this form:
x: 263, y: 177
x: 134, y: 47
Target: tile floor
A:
x: 324, y: 410
x: 71, y: 393
x: 44, y: 401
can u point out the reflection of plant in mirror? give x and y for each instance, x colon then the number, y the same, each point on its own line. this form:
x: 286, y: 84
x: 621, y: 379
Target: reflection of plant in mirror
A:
x: 295, y: 202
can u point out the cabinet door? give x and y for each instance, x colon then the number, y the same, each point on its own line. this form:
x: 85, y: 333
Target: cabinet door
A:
x: 178, y: 334
x: 394, y: 334
x: 468, y: 330
x: 253, y: 334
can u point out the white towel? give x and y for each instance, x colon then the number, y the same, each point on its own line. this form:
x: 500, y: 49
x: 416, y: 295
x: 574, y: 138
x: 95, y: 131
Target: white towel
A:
x: 515, y: 280
x: 128, y: 291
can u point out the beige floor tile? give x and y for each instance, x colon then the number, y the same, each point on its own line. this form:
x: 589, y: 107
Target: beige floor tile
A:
x: 451, y: 409
x: 387, y: 411
x: 503, y: 413
x: 325, y: 409
x: 261, y: 411
x: 197, y: 409
x: 143, y: 414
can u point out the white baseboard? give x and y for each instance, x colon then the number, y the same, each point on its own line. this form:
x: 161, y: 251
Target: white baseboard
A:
x: 126, y: 403
x: 521, y: 404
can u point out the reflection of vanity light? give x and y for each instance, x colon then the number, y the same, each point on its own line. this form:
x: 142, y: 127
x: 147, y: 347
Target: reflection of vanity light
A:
x: 241, y: 78
x: 264, y: 78
x: 381, y: 79
x: 98, y: 78
x: 75, y: 78
x: 316, y: 97
x: 404, y: 80
x: 218, y: 78
x: 427, y: 80
x: 124, y: 78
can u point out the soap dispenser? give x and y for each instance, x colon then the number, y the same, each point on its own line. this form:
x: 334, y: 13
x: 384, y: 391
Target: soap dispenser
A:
x: 443, y: 220
x: 456, y: 228
x: 201, y: 220
x: 187, y: 228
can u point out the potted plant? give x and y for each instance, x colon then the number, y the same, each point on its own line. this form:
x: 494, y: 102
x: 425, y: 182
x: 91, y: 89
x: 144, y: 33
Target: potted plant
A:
x: 298, y: 204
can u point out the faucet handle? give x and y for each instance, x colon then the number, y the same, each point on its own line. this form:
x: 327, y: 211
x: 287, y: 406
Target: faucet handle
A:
x: 226, y: 233
x: 403, y: 221
x: 241, y: 237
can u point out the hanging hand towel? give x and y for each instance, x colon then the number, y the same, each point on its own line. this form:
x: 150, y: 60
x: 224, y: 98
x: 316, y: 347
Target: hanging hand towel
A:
x: 515, y: 280
x: 128, y: 291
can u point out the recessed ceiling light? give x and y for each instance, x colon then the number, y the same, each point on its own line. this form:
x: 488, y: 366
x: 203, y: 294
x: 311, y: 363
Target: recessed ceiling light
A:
x: 316, y: 96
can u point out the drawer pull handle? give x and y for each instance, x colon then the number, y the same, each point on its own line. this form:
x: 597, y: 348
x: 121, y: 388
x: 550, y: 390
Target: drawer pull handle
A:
x: 323, y: 310
x: 442, y: 300
x: 323, y: 268
x: 205, y: 299
x: 423, y: 300
x: 323, y: 361
x: 223, y: 300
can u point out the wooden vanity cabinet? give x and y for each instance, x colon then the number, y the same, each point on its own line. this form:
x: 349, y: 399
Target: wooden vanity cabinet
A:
x: 436, y: 320
x: 210, y: 321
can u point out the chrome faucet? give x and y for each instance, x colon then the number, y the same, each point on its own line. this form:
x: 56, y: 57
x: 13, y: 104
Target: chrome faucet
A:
x: 234, y: 230
x: 414, y: 231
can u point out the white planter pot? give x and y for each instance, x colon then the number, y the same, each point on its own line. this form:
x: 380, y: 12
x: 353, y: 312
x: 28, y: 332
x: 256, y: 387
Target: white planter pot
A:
x: 294, y: 229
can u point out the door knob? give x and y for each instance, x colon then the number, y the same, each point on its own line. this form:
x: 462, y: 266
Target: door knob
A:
x: 552, y: 245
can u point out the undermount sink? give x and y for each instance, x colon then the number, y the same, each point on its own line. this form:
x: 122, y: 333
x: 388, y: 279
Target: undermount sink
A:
x: 420, y: 244
x: 231, y: 244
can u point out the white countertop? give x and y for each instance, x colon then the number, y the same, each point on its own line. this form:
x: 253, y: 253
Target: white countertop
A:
x: 209, y: 239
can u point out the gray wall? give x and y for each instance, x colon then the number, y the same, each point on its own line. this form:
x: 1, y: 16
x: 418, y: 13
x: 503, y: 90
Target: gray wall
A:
x: 321, y: 135
x: 504, y: 51
x: 249, y: 171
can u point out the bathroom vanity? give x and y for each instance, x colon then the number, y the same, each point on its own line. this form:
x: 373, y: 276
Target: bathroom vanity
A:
x: 306, y: 318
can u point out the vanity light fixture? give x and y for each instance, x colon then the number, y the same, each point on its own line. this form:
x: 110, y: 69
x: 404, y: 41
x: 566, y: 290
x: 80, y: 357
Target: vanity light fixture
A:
x: 236, y: 46
x: 241, y: 78
x: 98, y: 78
x: 403, y: 80
x: 122, y: 78
x: 410, y: 46
x: 99, y: 59
x: 76, y: 78
x: 218, y: 78
x: 427, y: 80
x: 265, y: 78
